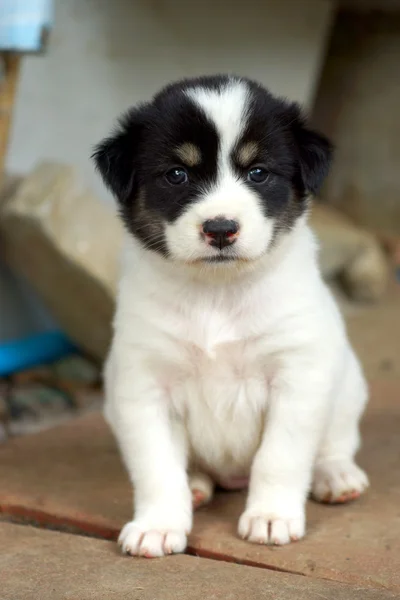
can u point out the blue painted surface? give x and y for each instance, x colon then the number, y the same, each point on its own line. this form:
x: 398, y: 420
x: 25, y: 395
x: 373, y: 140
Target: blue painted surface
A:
x: 22, y: 23
x: 32, y: 351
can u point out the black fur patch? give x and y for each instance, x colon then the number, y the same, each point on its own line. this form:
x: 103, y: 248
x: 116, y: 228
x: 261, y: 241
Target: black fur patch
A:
x: 133, y: 162
x: 296, y: 158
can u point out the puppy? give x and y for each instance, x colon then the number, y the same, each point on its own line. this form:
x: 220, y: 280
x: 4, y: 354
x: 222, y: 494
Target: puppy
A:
x: 230, y: 363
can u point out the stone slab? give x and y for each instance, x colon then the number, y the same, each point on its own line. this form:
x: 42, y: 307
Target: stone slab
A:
x: 51, y: 565
x: 69, y: 260
x: 350, y: 253
x: 375, y: 333
x: 71, y: 477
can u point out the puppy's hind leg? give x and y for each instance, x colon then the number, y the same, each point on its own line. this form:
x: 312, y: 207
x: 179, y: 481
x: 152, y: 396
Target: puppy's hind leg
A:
x: 337, y: 478
x: 202, y: 488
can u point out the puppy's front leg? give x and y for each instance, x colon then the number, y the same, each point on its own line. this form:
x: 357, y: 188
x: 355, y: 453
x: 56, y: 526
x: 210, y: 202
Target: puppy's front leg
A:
x: 155, y: 457
x: 282, y: 468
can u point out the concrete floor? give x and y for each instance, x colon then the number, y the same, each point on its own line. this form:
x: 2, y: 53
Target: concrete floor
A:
x: 49, y: 565
x: 71, y: 478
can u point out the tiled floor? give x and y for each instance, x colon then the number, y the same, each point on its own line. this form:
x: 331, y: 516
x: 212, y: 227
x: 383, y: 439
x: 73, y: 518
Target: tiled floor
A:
x: 71, y: 478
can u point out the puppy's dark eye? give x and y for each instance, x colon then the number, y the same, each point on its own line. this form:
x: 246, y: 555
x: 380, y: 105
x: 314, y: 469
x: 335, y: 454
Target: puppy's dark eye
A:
x: 176, y: 176
x: 257, y: 175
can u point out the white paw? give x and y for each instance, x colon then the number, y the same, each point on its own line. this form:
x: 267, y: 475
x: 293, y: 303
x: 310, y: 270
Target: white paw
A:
x: 135, y: 540
x: 202, y: 488
x: 338, y: 481
x: 260, y: 527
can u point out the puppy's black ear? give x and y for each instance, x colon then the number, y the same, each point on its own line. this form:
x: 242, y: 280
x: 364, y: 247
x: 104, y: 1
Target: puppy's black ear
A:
x: 116, y: 156
x: 314, y: 151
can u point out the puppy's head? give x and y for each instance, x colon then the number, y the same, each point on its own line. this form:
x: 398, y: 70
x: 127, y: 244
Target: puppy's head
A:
x: 213, y: 170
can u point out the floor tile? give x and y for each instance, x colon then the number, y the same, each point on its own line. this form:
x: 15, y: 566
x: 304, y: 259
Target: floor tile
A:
x: 51, y: 565
x: 72, y: 477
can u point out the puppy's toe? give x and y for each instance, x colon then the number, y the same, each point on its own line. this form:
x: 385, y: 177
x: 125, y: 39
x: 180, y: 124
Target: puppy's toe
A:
x: 338, y: 481
x: 137, y: 541
x: 270, y: 529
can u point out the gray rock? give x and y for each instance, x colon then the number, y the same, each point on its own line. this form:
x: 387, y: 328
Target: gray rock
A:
x: 350, y: 253
x: 65, y: 242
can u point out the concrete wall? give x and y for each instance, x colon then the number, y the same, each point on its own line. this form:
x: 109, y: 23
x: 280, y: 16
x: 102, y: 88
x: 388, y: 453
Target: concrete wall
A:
x: 105, y: 55
x: 358, y: 105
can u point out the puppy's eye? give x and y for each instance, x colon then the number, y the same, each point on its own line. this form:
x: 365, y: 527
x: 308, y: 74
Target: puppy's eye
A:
x: 176, y: 176
x: 257, y: 175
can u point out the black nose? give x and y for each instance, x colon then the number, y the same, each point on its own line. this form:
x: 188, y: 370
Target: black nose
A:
x: 220, y: 232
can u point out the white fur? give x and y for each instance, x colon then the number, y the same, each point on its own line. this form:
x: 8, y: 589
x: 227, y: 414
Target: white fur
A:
x: 252, y: 374
x: 227, y: 109
x: 233, y: 370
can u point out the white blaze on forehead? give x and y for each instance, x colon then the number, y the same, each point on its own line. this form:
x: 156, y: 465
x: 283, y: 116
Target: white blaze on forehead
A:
x: 229, y: 196
x: 226, y: 108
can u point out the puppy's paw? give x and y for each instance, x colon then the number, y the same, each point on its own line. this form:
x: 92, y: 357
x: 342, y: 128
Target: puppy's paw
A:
x: 202, y: 488
x: 338, y: 481
x: 261, y: 527
x: 137, y: 540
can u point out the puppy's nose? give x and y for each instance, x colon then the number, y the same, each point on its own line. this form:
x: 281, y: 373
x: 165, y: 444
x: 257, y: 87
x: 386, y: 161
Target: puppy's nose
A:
x: 220, y: 232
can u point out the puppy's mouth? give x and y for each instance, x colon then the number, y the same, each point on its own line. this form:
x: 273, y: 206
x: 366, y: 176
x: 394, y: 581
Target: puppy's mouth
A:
x: 219, y: 258
x: 229, y: 254
x: 222, y: 258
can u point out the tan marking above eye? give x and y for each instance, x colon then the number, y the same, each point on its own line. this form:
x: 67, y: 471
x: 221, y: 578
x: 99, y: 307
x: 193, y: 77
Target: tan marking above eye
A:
x: 189, y: 154
x: 247, y: 154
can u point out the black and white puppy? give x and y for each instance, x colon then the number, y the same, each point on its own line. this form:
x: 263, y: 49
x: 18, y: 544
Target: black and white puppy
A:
x: 230, y: 363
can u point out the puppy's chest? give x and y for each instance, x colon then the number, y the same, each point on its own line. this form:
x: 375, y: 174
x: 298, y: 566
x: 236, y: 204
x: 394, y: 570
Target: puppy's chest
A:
x: 222, y: 364
x: 220, y: 391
